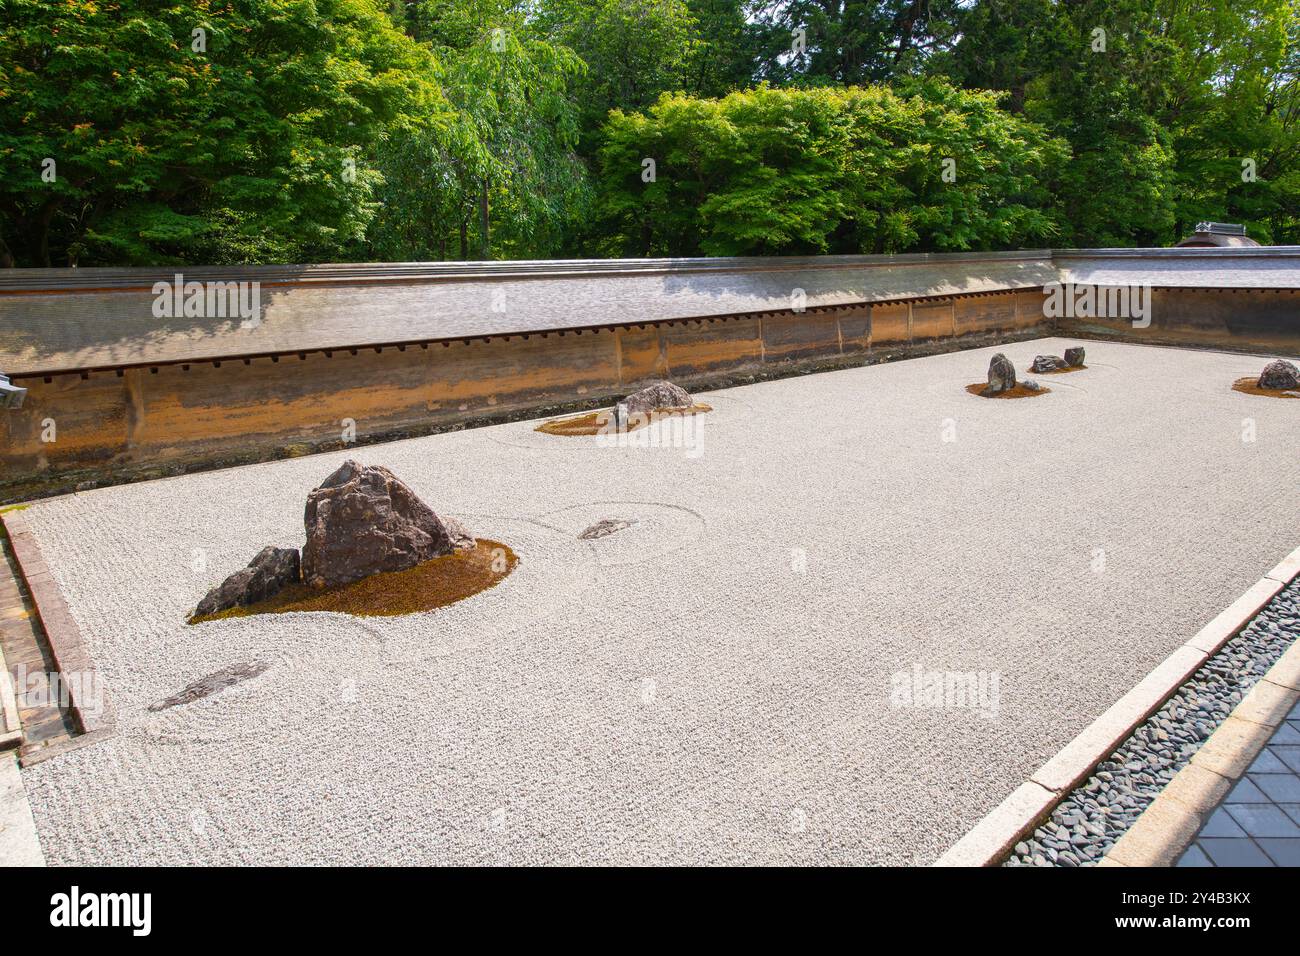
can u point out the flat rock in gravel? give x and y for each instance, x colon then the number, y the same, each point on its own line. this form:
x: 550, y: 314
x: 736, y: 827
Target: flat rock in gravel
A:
x: 1048, y: 363
x: 212, y: 684
x: 605, y: 527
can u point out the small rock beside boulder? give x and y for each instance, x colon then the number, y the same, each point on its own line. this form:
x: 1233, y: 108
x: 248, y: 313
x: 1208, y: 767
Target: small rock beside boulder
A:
x: 363, y: 520
x: 655, y: 396
x: 605, y: 527
x: 1048, y: 363
x: 270, y: 571
x: 1074, y: 357
x: 1002, y: 376
x: 1280, y: 374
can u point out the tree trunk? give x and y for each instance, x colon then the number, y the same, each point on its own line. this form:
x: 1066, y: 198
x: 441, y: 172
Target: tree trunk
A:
x: 485, y: 241
x: 43, y: 234
x: 905, y: 27
x: 464, y: 239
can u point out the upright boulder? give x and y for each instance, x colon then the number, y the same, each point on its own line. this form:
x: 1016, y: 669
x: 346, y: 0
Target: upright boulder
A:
x: 657, y: 395
x: 1074, y: 357
x: 1047, y: 363
x: 1002, y: 376
x: 1280, y: 374
x: 271, y: 570
x: 363, y: 520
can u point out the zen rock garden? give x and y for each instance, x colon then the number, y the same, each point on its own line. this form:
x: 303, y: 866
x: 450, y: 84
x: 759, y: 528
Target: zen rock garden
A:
x: 1279, y: 379
x: 654, y: 401
x: 363, y: 524
x: 1002, y: 381
x: 1052, y: 364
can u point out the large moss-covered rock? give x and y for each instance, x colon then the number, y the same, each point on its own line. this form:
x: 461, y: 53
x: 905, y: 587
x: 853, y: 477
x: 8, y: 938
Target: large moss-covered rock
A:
x: 363, y: 520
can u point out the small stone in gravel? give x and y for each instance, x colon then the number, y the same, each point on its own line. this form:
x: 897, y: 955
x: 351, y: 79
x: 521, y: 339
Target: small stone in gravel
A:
x: 1280, y: 374
x: 212, y: 684
x: 605, y: 526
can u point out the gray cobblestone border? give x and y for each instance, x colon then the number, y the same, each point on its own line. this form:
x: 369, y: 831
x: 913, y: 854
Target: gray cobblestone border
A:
x: 1037, y: 800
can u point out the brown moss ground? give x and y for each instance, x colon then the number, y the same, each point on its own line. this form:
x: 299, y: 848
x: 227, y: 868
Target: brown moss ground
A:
x: 426, y: 586
x: 594, y: 423
x: 1250, y: 386
x: 1018, y: 392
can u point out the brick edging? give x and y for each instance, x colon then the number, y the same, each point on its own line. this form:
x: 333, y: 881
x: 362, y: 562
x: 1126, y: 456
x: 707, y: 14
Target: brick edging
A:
x: 62, y: 633
x: 991, y: 839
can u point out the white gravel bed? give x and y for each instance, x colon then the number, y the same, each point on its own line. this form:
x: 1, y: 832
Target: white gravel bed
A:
x: 719, y: 682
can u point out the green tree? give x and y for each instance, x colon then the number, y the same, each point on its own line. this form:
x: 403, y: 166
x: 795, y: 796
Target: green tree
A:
x: 249, y: 140
x: 1161, y: 101
x: 770, y: 171
x: 726, y: 54
x: 634, y: 49
x: 502, y: 178
x: 848, y: 42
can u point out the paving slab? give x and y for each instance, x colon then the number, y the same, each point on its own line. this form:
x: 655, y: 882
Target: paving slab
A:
x: 737, y: 678
x: 19, y: 845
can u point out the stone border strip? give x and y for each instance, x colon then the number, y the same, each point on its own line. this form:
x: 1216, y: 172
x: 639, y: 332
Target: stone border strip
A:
x: 11, y: 728
x: 19, y: 843
x: 64, y: 636
x: 1163, y: 831
x: 990, y: 840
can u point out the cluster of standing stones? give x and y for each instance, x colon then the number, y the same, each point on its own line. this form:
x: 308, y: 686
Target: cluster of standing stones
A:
x: 1054, y: 363
x: 1002, y: 374
x: 361, y: 520
x: 1278, y: 375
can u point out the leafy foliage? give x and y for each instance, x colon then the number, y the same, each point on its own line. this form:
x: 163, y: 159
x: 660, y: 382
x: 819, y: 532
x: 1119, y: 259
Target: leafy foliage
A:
x: 313, y: 130
x: 254, y: 148
x: 770, y: 171
x: 505, y: 164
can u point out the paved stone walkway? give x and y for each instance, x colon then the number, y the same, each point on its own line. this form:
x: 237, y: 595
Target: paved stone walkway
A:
x: 1258, y: 823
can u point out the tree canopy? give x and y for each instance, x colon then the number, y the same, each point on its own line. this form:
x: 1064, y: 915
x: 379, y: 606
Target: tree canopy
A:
x: 229, y: 131
x: 861, y: 169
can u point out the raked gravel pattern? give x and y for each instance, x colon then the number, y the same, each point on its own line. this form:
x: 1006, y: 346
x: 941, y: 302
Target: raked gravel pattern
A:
x: 714, y: 683
x: 1086, y: 824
